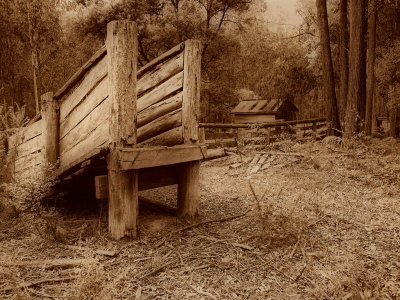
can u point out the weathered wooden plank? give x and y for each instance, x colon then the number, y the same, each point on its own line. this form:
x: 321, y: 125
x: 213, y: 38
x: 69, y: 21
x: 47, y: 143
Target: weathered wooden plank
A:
x: 80, y: 73
x: 189, y: 189
x: 159, y: 109
x: 160, y: 125
x: 50, y: 128
x: 162, y: 91
x: 160, y: 73
x: 28, y: 147
x: 85, y: 128
x: 91, y: 79
x: 158, y: 60
x: 139, y: 158
x: 29, y: 172
x: 191, y: 91
x: 168, y: 138
x: 122, y: 49
x: 94, y: 99
x: 25, y: 134
x: 95, y: 139
x: 28, y: 161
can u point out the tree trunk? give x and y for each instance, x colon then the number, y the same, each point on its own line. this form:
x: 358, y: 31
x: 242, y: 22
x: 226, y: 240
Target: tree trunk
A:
x: 370, y: 65
x: 363, y: 96
x: 344, y: 59
x: 327, y: 67
x: 356, y: 10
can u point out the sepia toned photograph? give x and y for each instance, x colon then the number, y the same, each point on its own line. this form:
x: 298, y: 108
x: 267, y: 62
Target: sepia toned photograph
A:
x: 200, y: 149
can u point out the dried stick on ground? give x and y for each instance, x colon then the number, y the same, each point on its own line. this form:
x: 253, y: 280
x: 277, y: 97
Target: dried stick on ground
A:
x: 202, y: 223
x: 35, y: 283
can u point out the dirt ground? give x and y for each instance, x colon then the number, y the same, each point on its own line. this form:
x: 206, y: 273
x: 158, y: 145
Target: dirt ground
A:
x: 328, y: 227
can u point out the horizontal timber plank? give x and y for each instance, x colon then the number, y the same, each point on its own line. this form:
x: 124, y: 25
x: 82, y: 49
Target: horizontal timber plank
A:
x: 139, y: 158
x: 160, y: 125
x: 168, y: 138
x: 159, y: 109
x: 172, y: 85
x: 89, y: 82
x: 98, y: 138
x: 80, y: 73
x: 259, y: 125
x: 25, y: 134
x: 170, y: 53
x: 29, y: 161
x: 28, y: 147
x: 92, y: 101
x: 160, y: 73
x: 95, y: 120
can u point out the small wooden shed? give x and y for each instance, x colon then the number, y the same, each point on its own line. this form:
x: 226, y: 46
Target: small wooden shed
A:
x: 261, y: 111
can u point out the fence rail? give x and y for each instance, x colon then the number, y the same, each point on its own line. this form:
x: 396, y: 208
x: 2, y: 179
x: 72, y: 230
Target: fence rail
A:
x: 223, y: 135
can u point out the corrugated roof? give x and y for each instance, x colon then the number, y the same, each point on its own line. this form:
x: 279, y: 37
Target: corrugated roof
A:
x: 258, y: 106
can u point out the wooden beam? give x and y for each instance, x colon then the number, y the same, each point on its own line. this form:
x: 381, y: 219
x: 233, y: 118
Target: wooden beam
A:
x: 122, y: 69
x: 191, y: 91
x: 50, y: 128
x: 139, y: 158
x: 188, y: 189
x: 259, y: 125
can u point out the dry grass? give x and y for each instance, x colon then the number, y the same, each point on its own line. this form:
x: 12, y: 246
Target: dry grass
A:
x: 327, y: 228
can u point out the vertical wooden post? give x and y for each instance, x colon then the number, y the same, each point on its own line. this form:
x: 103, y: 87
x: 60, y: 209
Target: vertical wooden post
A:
x: 268, y: 135
x: 188, y: 184
x: 202, y: 135
x: 122, y: 69
x: 314, y: 129
x: 240, y: 139
x: 50, y: 129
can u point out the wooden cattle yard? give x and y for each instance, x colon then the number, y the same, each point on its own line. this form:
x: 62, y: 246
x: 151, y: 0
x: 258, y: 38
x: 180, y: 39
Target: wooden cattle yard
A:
x: 144, y: 122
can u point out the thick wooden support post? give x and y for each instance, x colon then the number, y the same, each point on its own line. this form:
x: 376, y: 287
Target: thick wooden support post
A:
x: 188, y: 189
x: 188, y: 185
x: 122, y: 69
x: 240, y: 135
x: 314, y: 130
x: 267, y: 135
x: 50, y: 131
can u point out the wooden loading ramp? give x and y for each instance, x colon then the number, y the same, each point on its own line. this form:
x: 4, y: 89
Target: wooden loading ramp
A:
x: 139, y: 125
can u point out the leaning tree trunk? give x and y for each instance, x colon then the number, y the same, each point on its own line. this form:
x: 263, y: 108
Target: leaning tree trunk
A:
x: 356, y: 12
x: 344, y: 59
x: 327, y: 68
x: 370, y: 65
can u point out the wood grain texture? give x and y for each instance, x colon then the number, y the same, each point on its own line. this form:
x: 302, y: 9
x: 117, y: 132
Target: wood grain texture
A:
x: 158, y: 60
x: 25, y: 134
x: 80, y: 73
x: 50, y: 128
x: 141, y: 158
x: 94, y: 99
x: 28, y: 147
x: 191, y: 91
x: 160, y: 73
x: 122, y: 72
x: 188, y: 189
x: 160, y: 92
x: 29, y: 161
x: 122, y: 55
x: 159, y: 109
x: 76, y: 96
x: 168, y: 138
x: 160, y: 125
x: 84, y: 129
x: 95, y: 139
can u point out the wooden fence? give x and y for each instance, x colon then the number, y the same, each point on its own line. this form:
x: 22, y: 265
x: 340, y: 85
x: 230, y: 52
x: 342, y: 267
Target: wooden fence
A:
x: 221, y: 135
x: 144, y: 121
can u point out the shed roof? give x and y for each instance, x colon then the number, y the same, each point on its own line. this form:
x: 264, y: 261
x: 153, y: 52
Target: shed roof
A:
x: 259, y: 106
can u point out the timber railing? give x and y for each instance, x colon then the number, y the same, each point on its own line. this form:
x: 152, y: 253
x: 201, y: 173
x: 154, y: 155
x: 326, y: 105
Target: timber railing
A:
x: 226, y: 135
x: 142, y: 120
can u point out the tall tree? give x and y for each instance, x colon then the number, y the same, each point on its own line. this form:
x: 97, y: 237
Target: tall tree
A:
x: 343, y: 58
x: 356, y: 13
x: 372, y: 10
x: 327, y: 67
